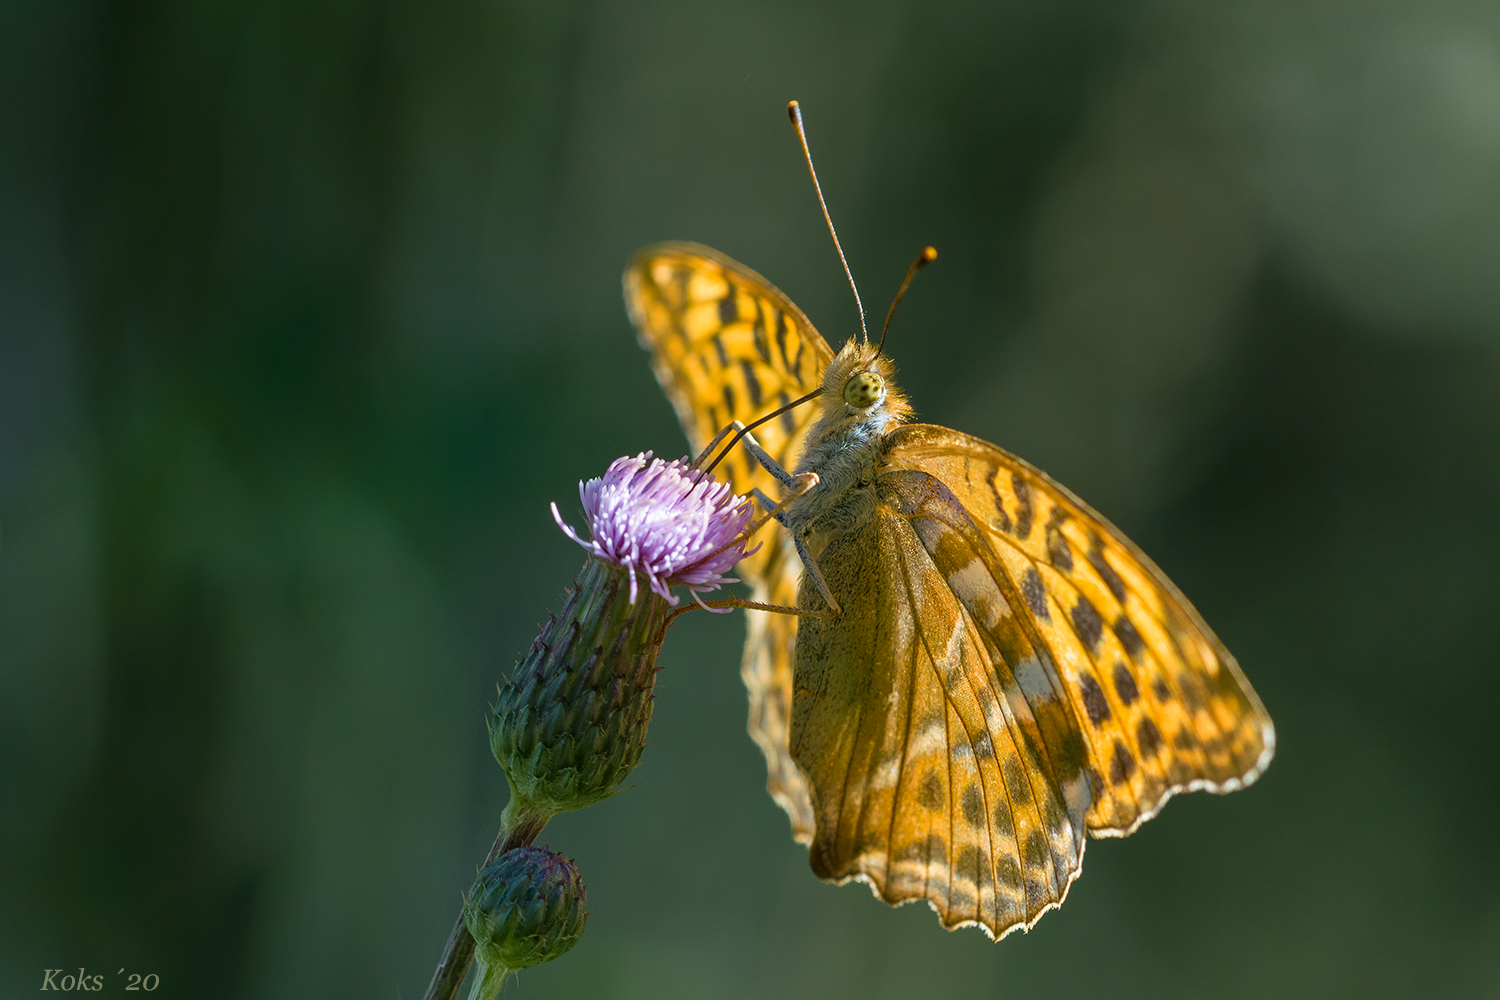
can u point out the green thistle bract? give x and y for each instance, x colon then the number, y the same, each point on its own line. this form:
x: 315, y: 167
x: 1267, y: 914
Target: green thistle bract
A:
x: 571, y: 723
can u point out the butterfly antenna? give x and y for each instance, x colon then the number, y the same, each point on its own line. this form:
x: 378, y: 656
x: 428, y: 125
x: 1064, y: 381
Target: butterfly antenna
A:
x: 927, y: 256
x: 750, y: 427
x: 795, y: 111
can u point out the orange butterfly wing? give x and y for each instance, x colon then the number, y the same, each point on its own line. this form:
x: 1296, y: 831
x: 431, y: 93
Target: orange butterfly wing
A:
x: 726, y: 344
x: 1008, y: 671
x: 1162, y: 705
x: 943, y: 762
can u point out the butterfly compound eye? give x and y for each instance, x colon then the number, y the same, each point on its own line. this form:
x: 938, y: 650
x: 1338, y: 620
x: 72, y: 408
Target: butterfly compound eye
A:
x: 863, y: 389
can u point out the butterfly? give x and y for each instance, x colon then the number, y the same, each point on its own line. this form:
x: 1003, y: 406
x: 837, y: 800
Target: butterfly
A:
x: 1005, y: 671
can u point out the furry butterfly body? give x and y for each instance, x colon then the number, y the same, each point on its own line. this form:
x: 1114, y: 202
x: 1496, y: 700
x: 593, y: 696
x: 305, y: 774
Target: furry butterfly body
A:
x: 1005, y: 671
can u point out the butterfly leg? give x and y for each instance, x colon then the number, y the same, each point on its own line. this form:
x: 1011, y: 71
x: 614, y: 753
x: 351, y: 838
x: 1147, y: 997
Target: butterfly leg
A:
x: 762, y: 456
x: 797, y: 483
x: 811, y: 565
x: 796, y: 486
x: 800, y: 485
x: 806, y: 481
x: 774, y: 509
x: 740, y: 602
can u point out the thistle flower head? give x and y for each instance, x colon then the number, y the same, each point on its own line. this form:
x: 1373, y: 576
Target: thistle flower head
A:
x: 528, y: 906
x: 664, y: 521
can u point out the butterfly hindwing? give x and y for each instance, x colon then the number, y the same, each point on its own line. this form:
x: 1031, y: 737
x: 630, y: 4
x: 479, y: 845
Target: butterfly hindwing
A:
x: 1161, y: 703
x: 942, y: 763
x: 726, y: 344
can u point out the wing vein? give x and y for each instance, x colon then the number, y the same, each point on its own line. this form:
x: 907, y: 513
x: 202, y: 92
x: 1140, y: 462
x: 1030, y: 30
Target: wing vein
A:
x: 911, y: 599
x: 952, y: 844
x: 989, y: 839
x: 911, y: 700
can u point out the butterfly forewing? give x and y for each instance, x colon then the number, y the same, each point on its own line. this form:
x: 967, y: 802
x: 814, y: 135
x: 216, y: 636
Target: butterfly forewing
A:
x: 725, y: 344
x: 1160, y: 702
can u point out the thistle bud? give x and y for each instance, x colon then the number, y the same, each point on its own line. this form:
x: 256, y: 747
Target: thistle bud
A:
x: 527, y: 907
x: 571, y: 722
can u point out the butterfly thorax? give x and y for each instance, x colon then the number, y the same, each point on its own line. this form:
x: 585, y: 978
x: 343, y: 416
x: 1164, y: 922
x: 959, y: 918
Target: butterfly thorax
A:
x: 860, y: 406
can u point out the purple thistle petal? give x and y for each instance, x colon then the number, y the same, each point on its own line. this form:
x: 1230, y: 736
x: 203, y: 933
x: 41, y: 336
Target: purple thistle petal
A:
x: 664, y: 521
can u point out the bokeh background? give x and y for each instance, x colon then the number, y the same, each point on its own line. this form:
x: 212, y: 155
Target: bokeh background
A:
x: 308, y: 309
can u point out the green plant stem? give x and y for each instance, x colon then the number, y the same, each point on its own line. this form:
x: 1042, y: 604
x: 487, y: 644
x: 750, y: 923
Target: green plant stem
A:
x: 458, y: 953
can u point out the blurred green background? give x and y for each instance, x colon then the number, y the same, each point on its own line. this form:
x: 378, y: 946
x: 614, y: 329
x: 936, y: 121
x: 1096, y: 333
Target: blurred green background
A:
x: 307, y: 310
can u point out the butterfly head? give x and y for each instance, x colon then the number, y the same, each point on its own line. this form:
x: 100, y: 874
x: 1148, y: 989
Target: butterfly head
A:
x: 858, y: 389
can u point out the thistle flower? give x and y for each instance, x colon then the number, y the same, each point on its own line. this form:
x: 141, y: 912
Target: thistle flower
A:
x: 527, y: 907
x: 571, y: 723
x: 666, y: 522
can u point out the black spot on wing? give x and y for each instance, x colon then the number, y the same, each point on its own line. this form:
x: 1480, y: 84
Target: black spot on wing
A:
x: 1016, y: 783
x: 1025, y: 511
x: 758, y: 332
x: 930, y: 792
x: 1071, y: 752
x: 1033, y: 751
x: 786, y: 362
x: 1163, y: 693
x: 719, y: 348
x: 1035, y: 593
x: 1002, y: 520
x: 1105, y: 570
x: 681, y: 276
x: 752, y: 384
x: 971, y: 865
x: 795, y: 366
x: 1125, y: 684
x: 1001, y: 817
x: 788, y: 421
x: 1007, y: 870
x: 729, y: 399
x: 1148, y: 737
x: 972, y: 804
x: 1035, y: 853
x: 1094, y: 702
x: 729, y: 308
x: 1129, y: 637
x: 1059, y: 552
x: 1122, y: 766
x: 1087, y: 624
